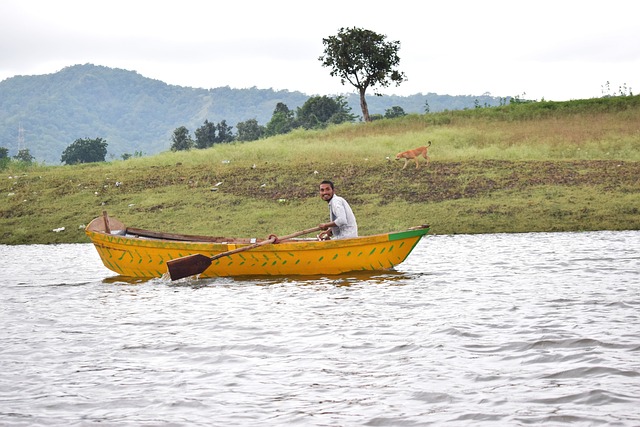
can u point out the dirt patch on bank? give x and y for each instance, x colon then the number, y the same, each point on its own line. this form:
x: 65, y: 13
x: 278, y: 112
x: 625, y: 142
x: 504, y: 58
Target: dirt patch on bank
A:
x: 440, y: 181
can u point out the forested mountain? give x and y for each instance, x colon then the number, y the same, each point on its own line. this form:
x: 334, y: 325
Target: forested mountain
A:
x: 135, y: 114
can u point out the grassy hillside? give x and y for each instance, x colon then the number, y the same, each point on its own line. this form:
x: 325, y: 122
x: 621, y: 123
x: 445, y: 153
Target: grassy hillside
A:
x: 138, y: 114
x: 543, y: 166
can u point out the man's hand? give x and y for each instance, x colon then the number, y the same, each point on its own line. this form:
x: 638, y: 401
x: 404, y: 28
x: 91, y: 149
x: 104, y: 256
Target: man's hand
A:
x: 325, y: 235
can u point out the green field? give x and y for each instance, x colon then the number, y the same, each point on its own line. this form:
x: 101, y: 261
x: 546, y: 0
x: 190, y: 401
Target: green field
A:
x: 541, y: 166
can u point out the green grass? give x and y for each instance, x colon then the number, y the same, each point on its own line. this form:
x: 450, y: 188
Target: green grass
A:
x: 526, y: 167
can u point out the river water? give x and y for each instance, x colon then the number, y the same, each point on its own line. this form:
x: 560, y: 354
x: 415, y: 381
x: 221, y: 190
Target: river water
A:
x: 484, y: 330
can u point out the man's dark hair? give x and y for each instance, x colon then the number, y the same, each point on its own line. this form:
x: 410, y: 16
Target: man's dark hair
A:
x: 326, y: 181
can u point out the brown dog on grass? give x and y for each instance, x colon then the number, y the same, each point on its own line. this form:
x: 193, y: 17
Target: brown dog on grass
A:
x: 414, y: 154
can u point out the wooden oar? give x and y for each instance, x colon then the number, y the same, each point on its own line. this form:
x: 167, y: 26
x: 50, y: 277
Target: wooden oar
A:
x: 192, y: 265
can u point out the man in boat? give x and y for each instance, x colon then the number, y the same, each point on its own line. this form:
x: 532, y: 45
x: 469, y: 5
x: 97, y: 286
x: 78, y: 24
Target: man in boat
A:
x: 343, y: 222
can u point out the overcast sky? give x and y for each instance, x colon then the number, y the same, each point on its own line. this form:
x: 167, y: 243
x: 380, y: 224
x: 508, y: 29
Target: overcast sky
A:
x: 553, y: 50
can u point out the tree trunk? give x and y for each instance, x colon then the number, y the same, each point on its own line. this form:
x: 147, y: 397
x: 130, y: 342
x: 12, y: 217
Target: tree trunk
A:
x: 364, y: 106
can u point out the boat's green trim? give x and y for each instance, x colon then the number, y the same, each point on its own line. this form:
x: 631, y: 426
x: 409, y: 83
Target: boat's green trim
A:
x: 409, y: 233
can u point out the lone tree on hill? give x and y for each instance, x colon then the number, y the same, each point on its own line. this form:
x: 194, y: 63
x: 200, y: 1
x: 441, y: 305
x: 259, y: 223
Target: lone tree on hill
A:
x: 364, y: 59
x: 85, y: 151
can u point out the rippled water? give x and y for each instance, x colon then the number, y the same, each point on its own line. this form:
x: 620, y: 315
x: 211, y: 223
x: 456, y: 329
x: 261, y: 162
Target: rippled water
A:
x: 507, y: 329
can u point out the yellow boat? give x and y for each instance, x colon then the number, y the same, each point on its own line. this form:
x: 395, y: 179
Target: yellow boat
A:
x: 134, y: 252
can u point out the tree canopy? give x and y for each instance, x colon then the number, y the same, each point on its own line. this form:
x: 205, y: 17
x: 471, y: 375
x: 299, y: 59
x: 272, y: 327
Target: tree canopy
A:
x: 225, y: 132
x: 250, y: 130
x: 4, y: 157
x: 181, y: 139
x: 281, y: 121
x: 393, y: 112
x: 364, y: 59
x: 85, y: 150
x: 24, y: 155
x: 205, y: 135
x: 320, y: 111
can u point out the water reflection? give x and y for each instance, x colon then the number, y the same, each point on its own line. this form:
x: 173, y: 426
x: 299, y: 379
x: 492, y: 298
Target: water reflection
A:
x: 391, y: 277
x: 124, y: 280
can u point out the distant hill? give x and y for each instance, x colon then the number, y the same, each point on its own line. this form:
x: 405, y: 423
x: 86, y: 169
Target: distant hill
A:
x: 136, y: 114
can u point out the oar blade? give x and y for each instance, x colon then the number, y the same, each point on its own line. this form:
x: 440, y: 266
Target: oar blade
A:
x: 187, y: 266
